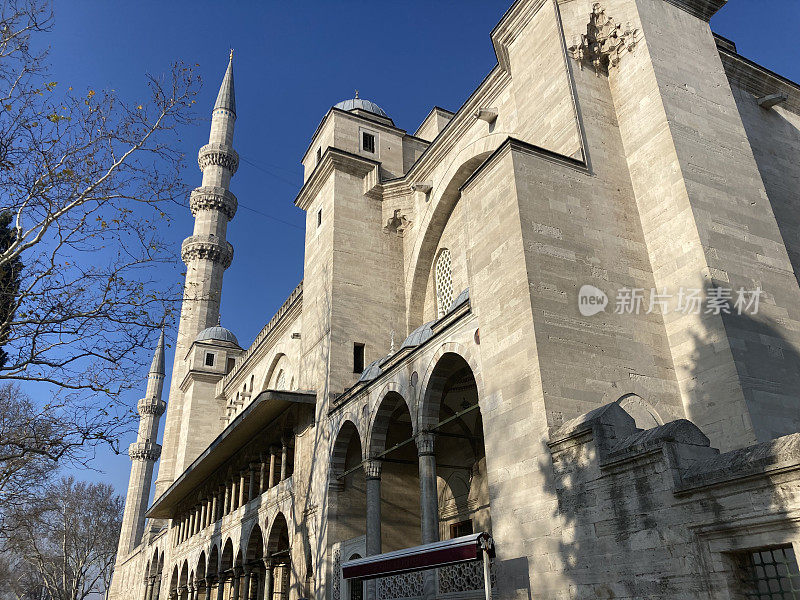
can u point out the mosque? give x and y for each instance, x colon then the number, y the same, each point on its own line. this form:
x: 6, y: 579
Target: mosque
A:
x: 490, y: 381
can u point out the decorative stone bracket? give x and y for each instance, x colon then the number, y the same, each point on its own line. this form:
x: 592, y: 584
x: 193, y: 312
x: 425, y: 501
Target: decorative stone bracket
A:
x: 604, y: 42
x: 397, y: 223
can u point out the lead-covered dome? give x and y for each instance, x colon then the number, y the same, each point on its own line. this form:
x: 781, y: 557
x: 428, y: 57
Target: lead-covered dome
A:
x: 361, y: 104
x: 218, y: 334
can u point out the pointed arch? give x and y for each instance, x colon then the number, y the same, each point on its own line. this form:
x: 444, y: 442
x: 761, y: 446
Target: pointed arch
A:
x: 226, y: 561
x: 254, y: 551
x: 278, y: 541
x: 393, y: 406
x: 348, y: 433
x: 213, y: 562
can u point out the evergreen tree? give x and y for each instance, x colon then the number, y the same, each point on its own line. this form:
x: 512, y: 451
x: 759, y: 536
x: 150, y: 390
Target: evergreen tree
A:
x: 9, y: 283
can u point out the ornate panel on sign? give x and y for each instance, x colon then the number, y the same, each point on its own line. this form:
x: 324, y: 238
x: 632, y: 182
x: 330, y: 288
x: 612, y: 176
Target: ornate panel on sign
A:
x: 407, y: 585
x: 464, y: 577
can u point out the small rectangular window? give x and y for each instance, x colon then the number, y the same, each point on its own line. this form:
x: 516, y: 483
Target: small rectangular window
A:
x: 319, y: 217
x: 461, y: 528
x: 769, y: 573
x: 209, y: 359
x: 319, y: 155
x: 369, y: 142
x: 231, y: 364
x: 358, y: 357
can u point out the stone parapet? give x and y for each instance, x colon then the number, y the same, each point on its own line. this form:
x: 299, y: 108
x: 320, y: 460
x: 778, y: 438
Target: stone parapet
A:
x: 207, y: 248
x: 213, y: 198
x: 220, y: 155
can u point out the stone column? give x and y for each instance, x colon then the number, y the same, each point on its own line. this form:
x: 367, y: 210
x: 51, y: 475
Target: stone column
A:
x: 148, y: 594
x: 234, y: 497
x: 226, y: 504
x: 284, y: 456
x: 251, y: 490
x: 237, y: 573
x: 268, y: 587
x: 429, y: 502
x: 372, y: 470
x: 243, y: 499
x: 246, y: 586
x: 214, y: 508
x: 262, y: 481
x: 273, y: 456
x: 221, y: 588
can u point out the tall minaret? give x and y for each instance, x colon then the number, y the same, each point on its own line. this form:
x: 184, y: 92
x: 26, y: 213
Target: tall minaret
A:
x: 144, y: 452
x: 207, y: 254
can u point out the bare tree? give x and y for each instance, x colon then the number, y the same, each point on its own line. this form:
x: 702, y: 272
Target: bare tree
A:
x: 68, y: 538
x: 88, y: 179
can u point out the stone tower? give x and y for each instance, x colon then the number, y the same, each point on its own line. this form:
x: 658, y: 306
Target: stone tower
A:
x: 144, y: 452
x: 207, y: 254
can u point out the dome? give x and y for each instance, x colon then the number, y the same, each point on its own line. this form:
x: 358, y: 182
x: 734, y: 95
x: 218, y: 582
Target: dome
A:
x: 420, y: 335
x: 372, y: 371
x: 461, y: 299
x: 217, y: 334
x: 360, y: 103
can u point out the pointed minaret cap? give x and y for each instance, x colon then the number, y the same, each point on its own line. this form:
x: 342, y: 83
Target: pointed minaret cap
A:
x: 157, y: 367
x: 226, y: 98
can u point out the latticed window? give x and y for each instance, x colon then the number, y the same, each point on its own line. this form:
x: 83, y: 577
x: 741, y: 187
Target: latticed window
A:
x: 444, y: 282
x: 770, y: 574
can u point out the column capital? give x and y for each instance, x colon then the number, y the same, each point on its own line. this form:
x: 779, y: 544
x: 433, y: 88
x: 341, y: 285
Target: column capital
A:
x: 372, y: 468
x: 268, y: 562
x: 426, y: 441
x: 273, y: 450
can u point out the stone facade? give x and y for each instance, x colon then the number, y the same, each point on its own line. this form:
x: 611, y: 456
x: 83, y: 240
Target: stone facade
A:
x: 434, y: 374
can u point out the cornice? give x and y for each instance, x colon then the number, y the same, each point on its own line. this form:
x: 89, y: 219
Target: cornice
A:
x: 287, y: 314
x: 511, y: 24
x: 755, y: 79
x: 514, y: 145
x: 702, y: 9
x: 488, y: 90
x: 338, y: 160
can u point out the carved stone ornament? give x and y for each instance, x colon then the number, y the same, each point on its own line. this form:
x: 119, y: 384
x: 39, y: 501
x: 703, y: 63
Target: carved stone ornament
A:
x: 219, y: 155
x: 151, y: 406
x: 213, y: 198
x: 144, y: 451
x: 604, y: 41
x: 206, y: 248
x: 397, y: 224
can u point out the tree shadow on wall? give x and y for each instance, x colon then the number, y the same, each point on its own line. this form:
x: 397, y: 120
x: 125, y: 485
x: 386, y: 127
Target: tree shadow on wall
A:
x: 621, y: 530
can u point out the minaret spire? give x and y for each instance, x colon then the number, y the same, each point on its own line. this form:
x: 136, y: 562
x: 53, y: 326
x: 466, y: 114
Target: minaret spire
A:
x: 144, y: 452
x: 207, y: 254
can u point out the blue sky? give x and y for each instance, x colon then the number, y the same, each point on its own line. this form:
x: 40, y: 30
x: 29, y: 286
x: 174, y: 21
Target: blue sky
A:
x: 293, y: 60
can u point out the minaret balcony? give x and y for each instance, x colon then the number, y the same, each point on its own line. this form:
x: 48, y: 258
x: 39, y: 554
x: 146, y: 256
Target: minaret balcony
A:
x: 213, y: 198
x: 207, y: 247
x: 151, y: 406
x: 144, y: 451
x: 220, y: 155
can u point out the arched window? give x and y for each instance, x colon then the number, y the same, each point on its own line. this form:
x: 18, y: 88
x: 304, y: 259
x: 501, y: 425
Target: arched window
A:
x: 444, y: 282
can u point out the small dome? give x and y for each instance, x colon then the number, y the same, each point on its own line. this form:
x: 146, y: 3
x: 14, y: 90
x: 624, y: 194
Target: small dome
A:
x: 371, y: 372
x: 217, y: 334
x: 461, y: 299
x: 360, y: 103
x: 420, y: 335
